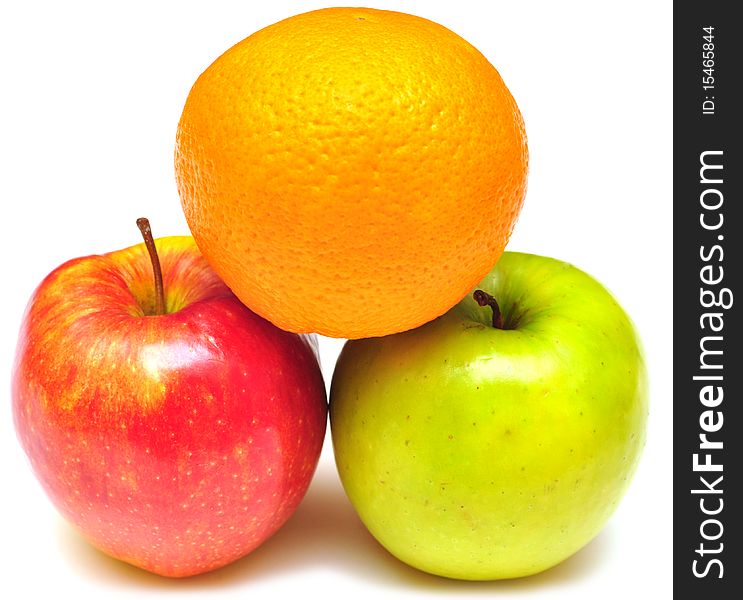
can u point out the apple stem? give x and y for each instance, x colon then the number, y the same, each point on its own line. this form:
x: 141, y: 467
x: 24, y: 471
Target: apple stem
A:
x: 144, y: 226
x: 485, y: 299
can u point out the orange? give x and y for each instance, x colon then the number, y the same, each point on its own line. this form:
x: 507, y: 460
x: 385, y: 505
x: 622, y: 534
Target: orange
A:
x: 351, y: 172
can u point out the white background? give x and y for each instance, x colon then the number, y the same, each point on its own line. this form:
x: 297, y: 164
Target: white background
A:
x: 91, y: 96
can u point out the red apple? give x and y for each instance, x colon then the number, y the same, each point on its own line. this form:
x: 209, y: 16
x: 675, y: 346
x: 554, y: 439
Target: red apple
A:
x: 177, y: 442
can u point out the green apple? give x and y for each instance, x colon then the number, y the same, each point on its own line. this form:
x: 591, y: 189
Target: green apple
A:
x: 477, y: 452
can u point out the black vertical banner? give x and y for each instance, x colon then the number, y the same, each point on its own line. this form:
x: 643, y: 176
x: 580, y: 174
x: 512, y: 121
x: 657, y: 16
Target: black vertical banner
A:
x: 708, y: 297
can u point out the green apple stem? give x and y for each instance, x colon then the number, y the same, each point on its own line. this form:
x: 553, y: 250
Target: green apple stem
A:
x: 144, y: 226
x: 485, y: 299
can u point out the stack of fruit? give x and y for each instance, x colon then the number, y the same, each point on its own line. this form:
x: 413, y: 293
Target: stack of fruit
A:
x: 354, y: 173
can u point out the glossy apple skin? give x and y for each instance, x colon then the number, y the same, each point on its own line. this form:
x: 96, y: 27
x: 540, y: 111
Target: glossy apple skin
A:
x: 477, y: 453
x: 177, y: 443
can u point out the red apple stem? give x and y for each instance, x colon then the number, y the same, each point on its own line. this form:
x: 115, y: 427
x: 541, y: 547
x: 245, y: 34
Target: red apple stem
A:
x: 144, y: 226
x: 485, y: 299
